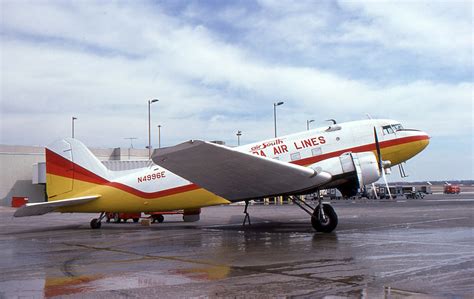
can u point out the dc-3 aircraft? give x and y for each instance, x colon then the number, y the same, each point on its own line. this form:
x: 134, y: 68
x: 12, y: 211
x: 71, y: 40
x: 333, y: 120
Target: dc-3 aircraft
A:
x: 197, y: 174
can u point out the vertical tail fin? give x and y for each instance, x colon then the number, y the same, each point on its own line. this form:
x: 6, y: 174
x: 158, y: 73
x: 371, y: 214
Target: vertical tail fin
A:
x: 69, y: 163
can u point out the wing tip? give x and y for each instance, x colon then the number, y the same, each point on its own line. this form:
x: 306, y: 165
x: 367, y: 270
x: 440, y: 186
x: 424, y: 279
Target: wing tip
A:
x: 26, y: 211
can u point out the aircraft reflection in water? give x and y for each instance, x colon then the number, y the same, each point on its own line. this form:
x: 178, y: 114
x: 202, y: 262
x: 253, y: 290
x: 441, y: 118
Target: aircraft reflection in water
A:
x: 197, y: 174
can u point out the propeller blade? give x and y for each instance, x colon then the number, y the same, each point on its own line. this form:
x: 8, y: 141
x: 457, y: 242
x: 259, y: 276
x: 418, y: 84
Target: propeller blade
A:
x: 377, y: 146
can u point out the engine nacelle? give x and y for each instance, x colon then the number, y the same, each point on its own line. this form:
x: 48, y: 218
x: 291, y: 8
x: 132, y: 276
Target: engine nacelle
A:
x: 350, y: 171
x: 369, y: 169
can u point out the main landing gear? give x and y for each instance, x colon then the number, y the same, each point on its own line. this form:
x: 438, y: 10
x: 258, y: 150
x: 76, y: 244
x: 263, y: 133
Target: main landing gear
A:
x: 96, y: 222
x: 247, y: 215
x: 322, y: 219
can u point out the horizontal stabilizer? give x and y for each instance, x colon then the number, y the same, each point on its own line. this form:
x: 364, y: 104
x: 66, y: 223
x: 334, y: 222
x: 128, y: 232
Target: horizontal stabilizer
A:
x: 41, y: 208
x: 236, y: 175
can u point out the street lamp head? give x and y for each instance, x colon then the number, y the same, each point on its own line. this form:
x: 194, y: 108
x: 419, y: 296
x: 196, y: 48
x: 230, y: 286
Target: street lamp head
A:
x: 279, y: 103
x: 310, y: 121
x: 74, y: 118
x: 154, y: 100
x: 239, y: 133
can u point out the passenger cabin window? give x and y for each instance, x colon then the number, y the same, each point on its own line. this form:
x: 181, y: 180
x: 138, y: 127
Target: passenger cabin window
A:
x: 316, y: 151
x: 295, y: 156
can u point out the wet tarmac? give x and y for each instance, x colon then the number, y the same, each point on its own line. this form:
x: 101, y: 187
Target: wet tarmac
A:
x: 409, y: 248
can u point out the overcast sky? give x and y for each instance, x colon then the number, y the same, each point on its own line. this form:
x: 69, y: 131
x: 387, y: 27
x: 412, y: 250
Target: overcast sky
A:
x: 218, y: 67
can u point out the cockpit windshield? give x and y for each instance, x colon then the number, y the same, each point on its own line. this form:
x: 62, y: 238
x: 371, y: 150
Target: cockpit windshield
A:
x: 397, y: 127
x: 390, y: 129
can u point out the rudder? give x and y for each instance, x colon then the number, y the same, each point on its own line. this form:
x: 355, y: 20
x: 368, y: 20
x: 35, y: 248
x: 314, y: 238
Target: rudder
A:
x: 68, y: 160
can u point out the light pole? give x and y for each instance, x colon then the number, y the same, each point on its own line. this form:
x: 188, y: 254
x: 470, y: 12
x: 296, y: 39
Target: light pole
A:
x: 131, y: 140
x: 239, y: 133
x: 159, y: 136
x: 131, y: 145
x: 275, y: 115
x: 308, y: 122
x: 73, y: 119
x: 149, y: 126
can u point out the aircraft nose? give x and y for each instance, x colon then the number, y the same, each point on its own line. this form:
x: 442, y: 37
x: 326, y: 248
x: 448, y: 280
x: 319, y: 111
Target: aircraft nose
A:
x: 424, y: 140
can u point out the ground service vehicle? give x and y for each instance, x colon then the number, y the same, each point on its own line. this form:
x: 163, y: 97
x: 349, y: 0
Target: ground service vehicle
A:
x: 117, y: 217
x: 452, y: 189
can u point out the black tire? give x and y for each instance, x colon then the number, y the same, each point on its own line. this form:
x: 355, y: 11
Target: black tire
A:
x: 116, y: 218
x: 135, y: 220
x: 160, y: 218
x: 95, y: 223
x: 331, y: 219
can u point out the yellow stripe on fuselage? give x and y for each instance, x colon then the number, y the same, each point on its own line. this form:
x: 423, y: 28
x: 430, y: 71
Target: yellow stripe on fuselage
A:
x: 115, y: 200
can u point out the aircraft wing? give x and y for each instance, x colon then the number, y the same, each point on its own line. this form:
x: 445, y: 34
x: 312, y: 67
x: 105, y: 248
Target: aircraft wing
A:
x: 41, y: 208
x: 236, y: 175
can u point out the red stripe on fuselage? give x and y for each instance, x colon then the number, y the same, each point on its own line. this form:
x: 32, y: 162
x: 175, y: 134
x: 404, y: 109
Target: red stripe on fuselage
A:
x: 359, y: 149
x: 166, y: 192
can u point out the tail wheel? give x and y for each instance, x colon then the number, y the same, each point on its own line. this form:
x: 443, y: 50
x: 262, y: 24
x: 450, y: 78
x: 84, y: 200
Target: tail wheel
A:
x: 328, y: 222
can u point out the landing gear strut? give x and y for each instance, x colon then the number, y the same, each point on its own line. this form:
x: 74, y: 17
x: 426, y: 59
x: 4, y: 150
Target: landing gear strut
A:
x: 322, y: 219
x: 247, y: 216
x: 96, y: 222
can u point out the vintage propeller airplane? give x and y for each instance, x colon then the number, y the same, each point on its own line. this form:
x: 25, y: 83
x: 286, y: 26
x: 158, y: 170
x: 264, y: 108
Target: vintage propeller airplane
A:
x: 197, y: 174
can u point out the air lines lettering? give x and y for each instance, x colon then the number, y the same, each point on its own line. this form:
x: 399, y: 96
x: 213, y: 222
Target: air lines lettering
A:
x: 278, y: 147
x: 310, y: 142
x: 151, y: 177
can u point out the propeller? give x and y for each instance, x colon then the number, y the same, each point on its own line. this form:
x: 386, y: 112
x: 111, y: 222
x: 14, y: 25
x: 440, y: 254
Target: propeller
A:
x: 380, y: 161
x: 377, y: 147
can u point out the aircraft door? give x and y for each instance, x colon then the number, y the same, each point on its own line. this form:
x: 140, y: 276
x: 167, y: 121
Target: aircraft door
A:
x: 347, y: 163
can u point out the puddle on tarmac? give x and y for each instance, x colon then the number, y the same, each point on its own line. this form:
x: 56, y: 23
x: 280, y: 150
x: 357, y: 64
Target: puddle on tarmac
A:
x: 61, y: 286
x: 205, y: 273
x: 68, y: 285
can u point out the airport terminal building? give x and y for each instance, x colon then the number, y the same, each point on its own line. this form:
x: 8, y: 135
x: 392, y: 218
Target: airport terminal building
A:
x: 24, y: 171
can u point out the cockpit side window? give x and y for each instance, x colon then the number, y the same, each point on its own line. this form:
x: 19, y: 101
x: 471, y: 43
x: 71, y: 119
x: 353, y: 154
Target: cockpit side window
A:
x: 387, y: 130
